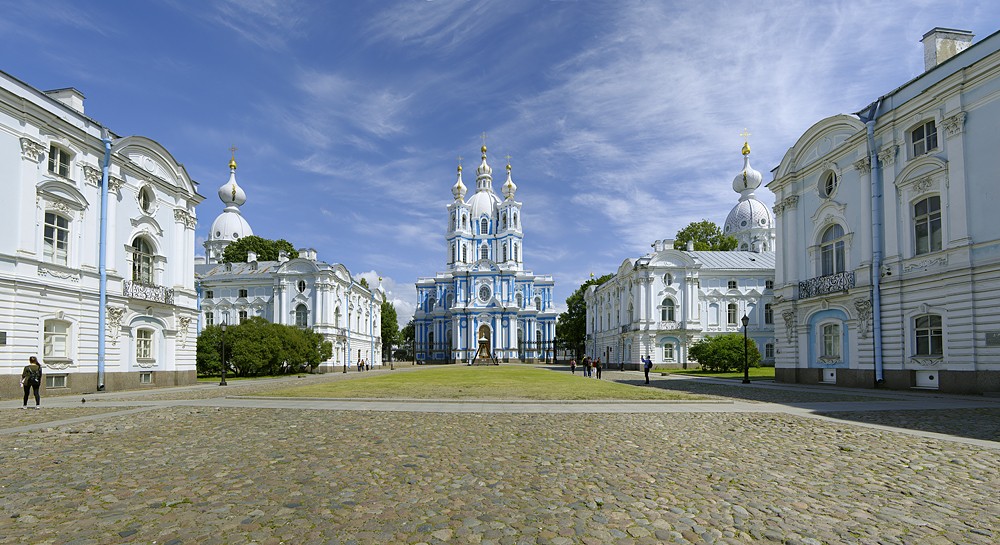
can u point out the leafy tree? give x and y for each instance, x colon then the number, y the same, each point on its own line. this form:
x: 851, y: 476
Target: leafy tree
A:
x: 390, y: 327
x: 364, y: 283
x: 319, y: 349
x: 571, y: 327
x: 251, y: 347
x: 209, y: 351
x: 706, y: 236
x: 409, y: 332
x: 724, y: 353
x: 266, y: 250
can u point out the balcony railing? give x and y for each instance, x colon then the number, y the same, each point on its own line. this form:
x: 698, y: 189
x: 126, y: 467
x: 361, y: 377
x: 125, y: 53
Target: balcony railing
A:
x: 823, y: 285
x: 148, y: 292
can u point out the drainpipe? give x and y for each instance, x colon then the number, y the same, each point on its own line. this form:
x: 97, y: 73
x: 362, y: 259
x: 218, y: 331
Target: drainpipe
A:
x: 103, y: 261
x: 347, y: 360
x: 371, y: 325
x: 869, y: 116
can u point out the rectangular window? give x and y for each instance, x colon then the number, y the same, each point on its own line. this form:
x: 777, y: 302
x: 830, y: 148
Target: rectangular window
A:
x: 59, y: 161
x: 56, y: 238
x: 927, y: 225
x: 209, y: 294
x: 731, y: 314
x: 144, y: 344
x: 146, y: 377
x: 768, y: 314
x: 769, y: 351
x: 732, y: 284
x: 769, y: 284
x: 55, y: 339
x: 831, y: 341
x: 209, y: 318
x: 668, y: 352
x: 243, y: 293
x: 55, y: 381
x: 243, y: 316
x: 929, y: 336
x: 924, y: 138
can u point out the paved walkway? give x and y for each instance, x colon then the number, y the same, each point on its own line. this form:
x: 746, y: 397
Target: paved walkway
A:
x: 759, y: 463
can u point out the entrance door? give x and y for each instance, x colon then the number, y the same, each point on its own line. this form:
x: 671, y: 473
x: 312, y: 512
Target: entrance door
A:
x: 483, y: 338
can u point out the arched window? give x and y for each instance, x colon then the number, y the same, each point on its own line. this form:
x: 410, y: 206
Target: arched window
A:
x: 336, y: 317
x: 301, y: 316
x: 516, y: 258
x: 928, y: 335
x: 142, y: 261
x: 832, y: 250
x: 56, y: 239
x: 731, y: 314
x: 431, y: 301
x: 484, y: 251
x: 768, y: 314
x: 520, y: 300
x: 484, y: 226
x: 504, y: 220
x: 505, y: 251
x: 463, y: 221
x: 430, y: 340
x: 453, y: 252
x: 538, y: 303
x: 927, y: 225
x: 449, y: 301
x: 538, y: 340
x: 465, y: 254
x: 514, y: 222
x: 667, y: 310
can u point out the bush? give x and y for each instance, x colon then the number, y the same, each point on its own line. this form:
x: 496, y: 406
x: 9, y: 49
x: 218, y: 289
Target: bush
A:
x: 724, y: 353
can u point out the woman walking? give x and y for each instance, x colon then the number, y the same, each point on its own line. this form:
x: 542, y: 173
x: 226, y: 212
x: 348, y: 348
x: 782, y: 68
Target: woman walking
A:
x: 31, y: 378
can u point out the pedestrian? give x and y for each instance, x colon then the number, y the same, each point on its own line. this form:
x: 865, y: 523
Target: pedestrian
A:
x: 31, y: 378
x: 647, y: 364
x: 587, y: 362
x: 572, y: 366
x: 597, y: 367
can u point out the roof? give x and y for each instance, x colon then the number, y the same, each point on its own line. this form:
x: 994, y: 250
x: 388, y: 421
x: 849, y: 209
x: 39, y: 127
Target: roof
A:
x: 734, y: 260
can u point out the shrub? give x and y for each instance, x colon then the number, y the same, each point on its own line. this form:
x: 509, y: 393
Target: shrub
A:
x: 724, y: 353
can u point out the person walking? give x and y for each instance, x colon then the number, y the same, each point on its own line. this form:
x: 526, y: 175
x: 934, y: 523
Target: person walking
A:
x: 31, y: 378
x: 647, y: 365
x: 587, y: 363
x: 572, y: 366
x: 597, y: 367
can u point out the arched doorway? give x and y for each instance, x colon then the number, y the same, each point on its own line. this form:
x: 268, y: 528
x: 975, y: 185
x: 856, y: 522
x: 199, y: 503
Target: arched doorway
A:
x: 483, y: 341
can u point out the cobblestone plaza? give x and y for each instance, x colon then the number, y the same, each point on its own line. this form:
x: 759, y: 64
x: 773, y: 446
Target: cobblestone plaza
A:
x: 753, y: 464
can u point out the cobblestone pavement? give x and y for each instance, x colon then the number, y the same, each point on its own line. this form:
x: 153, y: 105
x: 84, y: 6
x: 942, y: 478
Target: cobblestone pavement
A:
x: 171, y: 467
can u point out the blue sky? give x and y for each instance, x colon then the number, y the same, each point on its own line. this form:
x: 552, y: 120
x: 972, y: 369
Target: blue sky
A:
x: 622, y: 118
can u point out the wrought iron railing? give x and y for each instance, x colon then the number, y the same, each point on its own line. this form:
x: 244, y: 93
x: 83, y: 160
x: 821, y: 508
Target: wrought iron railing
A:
x: 148, y: 292
x: 823, y: 285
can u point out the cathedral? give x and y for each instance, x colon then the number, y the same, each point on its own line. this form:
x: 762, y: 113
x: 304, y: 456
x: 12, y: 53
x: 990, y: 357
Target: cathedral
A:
x: 485, y: 307
x: 661, y: 303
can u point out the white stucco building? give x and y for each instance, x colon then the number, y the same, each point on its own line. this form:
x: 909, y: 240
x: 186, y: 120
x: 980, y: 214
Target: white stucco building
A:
x: 663, y: 302
x: 51, y: 160
x: 889, y: 249
x: 301, y: 292
x: 485, y: 302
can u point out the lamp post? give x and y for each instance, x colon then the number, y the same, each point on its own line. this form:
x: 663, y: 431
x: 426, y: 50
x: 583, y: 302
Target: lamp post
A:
x: 223, y: 327
x: 746, y: 362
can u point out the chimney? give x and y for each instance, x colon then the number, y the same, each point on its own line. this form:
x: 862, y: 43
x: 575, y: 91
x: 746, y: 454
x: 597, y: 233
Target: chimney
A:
x: 69, y: 96
x: 282, y: 256
x: 251, y: 257
x: 690, y: 246
x: 941, y: 44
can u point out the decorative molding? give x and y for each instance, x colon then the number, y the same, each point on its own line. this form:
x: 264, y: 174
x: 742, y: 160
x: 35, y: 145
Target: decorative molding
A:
x: 58, y: 363
x: 927, y: 361
x: 73, y: 277
x: 788, y: 202
x: 822, y: 285
x: 113, y: 325
x: 863, y: 165
x: 92, y: 175
x: 888, y: 154
x: 182, y: 330
x: 183, y: 216
x: 923, y: 184
x: 789, y: 317
x: 926, y: 264
x: 954, y: 124
x: 864, y: 308
x: 830, y: 360
x: 115, y: 183
x: 145, y: 363
x: 32, y: 150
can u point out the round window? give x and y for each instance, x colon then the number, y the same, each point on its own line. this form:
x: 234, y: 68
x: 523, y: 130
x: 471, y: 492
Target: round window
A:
x: 743, y: 223
x: 218, y: 233
x: 484, y: 293
x: 828, y: 184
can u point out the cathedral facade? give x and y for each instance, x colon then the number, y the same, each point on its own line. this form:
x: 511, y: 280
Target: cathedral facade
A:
x: 661, y: 303
x: 485, y: 306
x: 302, y: 292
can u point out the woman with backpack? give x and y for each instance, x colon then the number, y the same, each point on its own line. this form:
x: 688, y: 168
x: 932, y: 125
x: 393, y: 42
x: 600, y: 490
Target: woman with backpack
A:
x: 31, y: 377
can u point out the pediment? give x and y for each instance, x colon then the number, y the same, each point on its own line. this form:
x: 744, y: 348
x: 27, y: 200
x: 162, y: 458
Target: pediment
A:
x: 298, y: 266
x: 818, y: 141
x: 58, y: 191
x: 154, y: 160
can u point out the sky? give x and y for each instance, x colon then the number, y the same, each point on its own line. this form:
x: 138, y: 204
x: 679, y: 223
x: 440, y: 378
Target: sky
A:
x: 622, y: 118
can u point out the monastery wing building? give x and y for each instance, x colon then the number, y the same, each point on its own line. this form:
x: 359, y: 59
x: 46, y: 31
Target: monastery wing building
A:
x: 302, y: 292
x: 485, y: 306
x: 663, y: 302
x: 52, y: 159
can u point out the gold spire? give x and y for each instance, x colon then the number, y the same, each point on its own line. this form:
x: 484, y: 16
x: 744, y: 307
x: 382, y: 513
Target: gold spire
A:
x: 746, y: 143
x: 460, y: 163
x: 508, y: 162
x: 232, y: 161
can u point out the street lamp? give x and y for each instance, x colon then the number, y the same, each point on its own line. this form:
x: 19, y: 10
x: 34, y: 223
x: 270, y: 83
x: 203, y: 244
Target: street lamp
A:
x: 223, y: 327
x: 746, y: 362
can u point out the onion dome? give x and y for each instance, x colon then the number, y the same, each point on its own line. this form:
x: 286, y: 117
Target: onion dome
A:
x: 231, y: 193
x: 509, y: 187
x: 749, y: 215
x: 459, y: 189
x: 484, y: 169
x: 230, y: 224
x: 748, y: 178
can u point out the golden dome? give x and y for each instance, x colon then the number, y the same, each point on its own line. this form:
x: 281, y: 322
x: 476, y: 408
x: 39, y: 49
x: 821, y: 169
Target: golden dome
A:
x: 746, y: 148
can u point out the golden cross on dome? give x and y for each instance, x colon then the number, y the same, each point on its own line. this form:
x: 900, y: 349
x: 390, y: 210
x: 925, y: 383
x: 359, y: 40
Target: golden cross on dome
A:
x: 746, y: 143
x: 745, y: 133
x: 232, y: 160
x: 508, y: 161
x: 459, y: 160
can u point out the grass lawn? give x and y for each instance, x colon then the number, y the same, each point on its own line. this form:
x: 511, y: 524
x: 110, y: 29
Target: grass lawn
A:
x: 487, y: 382
x: 756, y: 373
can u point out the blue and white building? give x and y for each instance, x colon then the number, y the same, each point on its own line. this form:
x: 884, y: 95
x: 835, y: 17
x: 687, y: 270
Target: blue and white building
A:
x: 485, y: 303
x: 661, y: 303
x: 888, y: 265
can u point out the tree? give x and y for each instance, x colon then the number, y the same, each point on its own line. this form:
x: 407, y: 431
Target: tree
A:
x: 209, y: 351
x: 571, y: 327
x: 724, y: 353
x: 706, y: 236
x: 257, y: 347
x: 390, y: 327
x: 407, y: 335
x: 364, y: 283
x: 266, y: 250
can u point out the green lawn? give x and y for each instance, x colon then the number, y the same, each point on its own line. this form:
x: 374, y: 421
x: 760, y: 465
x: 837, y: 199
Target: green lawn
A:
x: 488, y: 382
x: 756, y: 373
